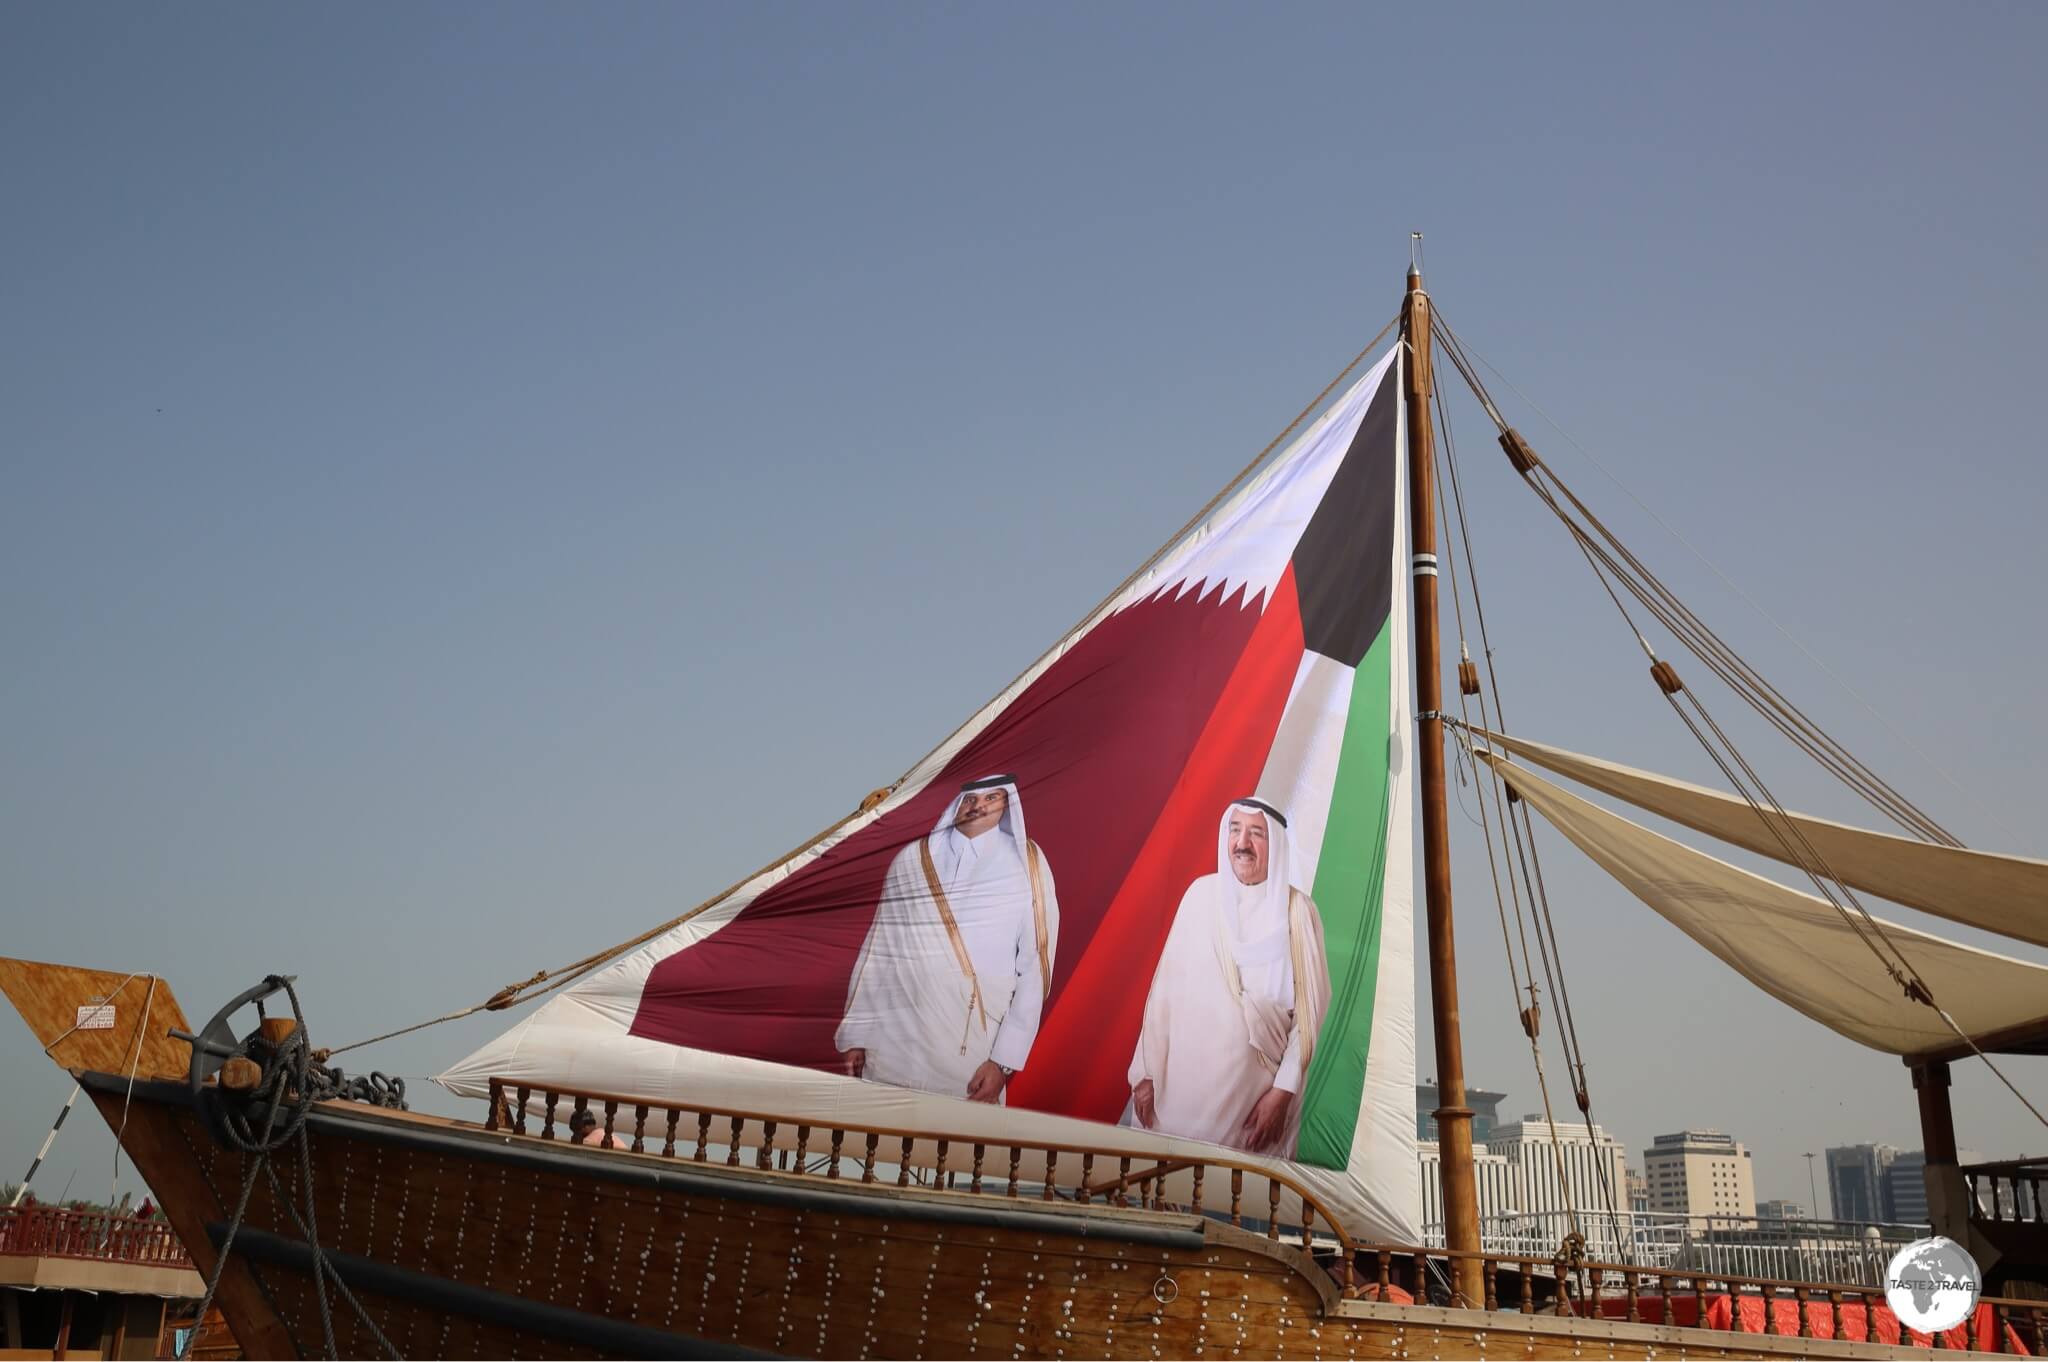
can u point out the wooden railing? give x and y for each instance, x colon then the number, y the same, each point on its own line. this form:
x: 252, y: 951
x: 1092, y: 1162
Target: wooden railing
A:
x: 2008, y: 1191
x: 978, y: 1165
x: 928, y: 1160
x: 50, y: 1232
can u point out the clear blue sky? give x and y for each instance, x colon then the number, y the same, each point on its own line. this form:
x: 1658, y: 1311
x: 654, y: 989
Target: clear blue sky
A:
x: 478, y: 479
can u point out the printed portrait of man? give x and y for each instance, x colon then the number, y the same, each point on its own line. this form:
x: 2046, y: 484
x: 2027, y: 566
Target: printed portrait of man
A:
x: 1239, y: 995
x: 952, y: 978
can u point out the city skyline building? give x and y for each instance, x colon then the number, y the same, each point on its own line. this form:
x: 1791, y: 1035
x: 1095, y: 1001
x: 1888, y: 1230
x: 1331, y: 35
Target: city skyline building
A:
x: 1485, y: 1111
x: 1700, y: 1172
x: 1856, y: 1181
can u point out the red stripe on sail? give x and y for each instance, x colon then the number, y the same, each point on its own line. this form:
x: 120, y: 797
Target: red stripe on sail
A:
x: 1096, y: 744
x: 1079, y: 1065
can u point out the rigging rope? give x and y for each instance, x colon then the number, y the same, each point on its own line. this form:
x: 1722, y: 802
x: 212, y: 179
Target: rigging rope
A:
x: 1522, y: 838
x: 1900, y: 734
x: 513, y: 994
x: 1607, y: 555
x: 1690, y: 629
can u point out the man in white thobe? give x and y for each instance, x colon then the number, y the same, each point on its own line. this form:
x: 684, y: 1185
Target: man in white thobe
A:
x: 1237, y: 1000
x: 952, y: 979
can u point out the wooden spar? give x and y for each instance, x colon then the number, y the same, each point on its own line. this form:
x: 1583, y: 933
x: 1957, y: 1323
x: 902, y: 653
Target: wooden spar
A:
x: 1453, y: 1117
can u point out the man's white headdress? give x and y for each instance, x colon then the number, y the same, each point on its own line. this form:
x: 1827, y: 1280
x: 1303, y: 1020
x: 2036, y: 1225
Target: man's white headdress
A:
x: 1012, y: 825
x: 1273, y: 889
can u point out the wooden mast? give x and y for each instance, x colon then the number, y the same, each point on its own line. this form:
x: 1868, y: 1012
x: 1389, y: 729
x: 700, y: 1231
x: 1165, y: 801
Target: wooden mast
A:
x: 1453, y: 1117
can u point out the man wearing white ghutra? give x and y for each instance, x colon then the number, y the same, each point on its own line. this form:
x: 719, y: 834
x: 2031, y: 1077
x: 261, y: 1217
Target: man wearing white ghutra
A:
x: 1237, y: 1000
x: 951, y: 982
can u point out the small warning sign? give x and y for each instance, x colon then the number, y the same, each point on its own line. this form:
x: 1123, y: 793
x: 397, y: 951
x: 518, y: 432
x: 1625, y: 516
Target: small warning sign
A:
x: 96, y: 1017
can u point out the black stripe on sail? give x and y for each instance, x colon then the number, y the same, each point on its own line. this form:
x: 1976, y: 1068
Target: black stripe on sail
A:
x: 1344, y: 564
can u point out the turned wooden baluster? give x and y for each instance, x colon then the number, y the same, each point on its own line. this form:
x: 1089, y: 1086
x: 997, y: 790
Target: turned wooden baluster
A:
x: 1308, y: 1220
x: 547, y: 1128
x: 1237, y: 1197
x: 1016, y: 1157
x: 1272, y: 1209
x: 1123, y: 1182
x: 1528, y: 1289
x: 803, y: 1148
x: 1386, y: 1266
x: 867, y: 1164
x: 1801, y: 1299
x: 703, y: 1134
x: 611, y: 1117
x: 1492, y: 1285
x: 519, y: 1116
x: 1635, y: 1305
x: 903, y: 1164
x: 497, y: 1098
x: 1196, y: 1204
x: 1087, y: 1176
x: 1562, y: 1277
x: 979, y: 1151
x: 640, y: 1128
x: 767, y: 1154
x: 1415, y: 1276
x: 939, y: 1166
x: 732, y: 1143
x: 668, y: 1139
x: 1047, y: 1194
x: 838, y: 1139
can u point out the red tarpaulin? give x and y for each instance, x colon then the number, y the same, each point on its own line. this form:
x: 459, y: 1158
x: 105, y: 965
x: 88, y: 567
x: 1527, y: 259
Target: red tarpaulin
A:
x: 1979, y: 1334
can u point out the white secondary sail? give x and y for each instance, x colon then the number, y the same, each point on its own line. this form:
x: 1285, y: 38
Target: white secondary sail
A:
x: 2003, y: 894
x: 1795, y: 946
x: 1015, y: 891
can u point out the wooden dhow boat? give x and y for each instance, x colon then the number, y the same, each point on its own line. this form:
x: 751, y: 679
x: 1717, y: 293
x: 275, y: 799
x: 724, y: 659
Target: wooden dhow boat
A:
x: 1093, y: 1035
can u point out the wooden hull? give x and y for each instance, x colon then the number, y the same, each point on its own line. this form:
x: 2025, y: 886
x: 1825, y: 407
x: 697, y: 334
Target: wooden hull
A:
x: 463, y: 1242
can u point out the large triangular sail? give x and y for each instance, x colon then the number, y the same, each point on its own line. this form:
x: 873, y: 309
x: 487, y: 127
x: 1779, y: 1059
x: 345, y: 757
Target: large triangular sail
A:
x: 1161, y: 879
x: 1797, y: 947
x: 2003, y: 894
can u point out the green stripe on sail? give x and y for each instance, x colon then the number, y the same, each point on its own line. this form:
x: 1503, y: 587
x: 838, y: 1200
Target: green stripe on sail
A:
x: 1350, y: 879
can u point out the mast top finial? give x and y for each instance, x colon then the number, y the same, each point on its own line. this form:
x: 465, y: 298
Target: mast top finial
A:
x: 1415, y: 255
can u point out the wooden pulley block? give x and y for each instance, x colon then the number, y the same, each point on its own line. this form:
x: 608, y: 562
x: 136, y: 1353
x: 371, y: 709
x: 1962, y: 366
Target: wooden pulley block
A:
x: 1468, y: 677
x: 1520, y: 453
x: 241, y: 1074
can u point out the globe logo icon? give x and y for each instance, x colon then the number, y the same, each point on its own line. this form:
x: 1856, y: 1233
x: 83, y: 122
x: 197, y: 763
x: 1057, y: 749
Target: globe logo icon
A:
x: 1932, y: 1284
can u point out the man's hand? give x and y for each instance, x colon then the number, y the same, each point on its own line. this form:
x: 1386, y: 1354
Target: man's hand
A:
x: 987, y: 1083
x: 1268, y: 1119
x: 853, y: 1061
x: 1141, y: 1102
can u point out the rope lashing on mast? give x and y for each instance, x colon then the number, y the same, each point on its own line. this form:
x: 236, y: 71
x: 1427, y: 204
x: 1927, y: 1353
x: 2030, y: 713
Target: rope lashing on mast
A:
x: 1612, y: 562
x: 1520, y: 835
x: 512, y: 994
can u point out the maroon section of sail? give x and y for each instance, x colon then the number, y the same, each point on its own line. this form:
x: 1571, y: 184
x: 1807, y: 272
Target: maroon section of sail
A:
x: 1096, y: 744
x: 1093, y: 1030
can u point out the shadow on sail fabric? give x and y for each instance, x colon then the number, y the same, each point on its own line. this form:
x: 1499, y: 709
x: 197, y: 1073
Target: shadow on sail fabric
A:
x: 1149, y: 885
